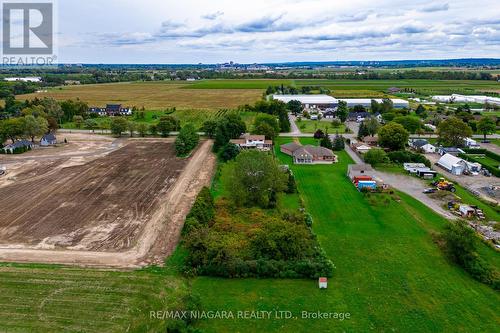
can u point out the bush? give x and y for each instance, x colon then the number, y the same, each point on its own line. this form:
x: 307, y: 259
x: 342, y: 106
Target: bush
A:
x: 375, y: 156
x: 460, y: 244
x: 229, y: 152
x: 403, y: 156
x: 186, y: 141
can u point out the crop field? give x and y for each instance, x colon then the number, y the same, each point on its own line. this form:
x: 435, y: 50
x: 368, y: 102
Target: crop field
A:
x: 153, y: 95
x: 101, y: 205
x: 390, y: 275
x: 357, y: 88
x: 36, y: 298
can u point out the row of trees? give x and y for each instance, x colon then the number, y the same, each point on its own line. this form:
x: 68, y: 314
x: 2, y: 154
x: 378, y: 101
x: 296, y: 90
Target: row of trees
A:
x: 28, y: 126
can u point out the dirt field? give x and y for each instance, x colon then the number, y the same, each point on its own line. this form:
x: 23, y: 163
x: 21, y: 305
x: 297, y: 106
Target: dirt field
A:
x: 123, y: 207
x: 156, y: 95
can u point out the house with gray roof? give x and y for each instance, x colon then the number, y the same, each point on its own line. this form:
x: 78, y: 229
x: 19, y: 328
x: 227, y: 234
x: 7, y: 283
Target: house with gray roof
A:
x: 48, y: 139
x: 9, y: 149
x: 308, y: 154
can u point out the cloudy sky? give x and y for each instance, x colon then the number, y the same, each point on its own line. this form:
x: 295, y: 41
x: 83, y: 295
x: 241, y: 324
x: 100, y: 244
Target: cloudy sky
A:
x: 194, y: 31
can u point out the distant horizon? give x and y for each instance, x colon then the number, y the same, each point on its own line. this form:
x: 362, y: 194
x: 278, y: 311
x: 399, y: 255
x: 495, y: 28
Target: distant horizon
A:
x: 305, y: 62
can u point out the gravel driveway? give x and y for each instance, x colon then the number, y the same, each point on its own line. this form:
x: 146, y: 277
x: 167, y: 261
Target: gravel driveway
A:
x: 412, y: 186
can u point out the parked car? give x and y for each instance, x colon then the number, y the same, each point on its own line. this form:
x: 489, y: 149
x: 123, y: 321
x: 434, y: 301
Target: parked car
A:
x: 430, y: 190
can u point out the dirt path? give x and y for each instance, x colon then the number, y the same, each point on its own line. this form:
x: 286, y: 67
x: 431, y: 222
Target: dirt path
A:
x: 158, y: 238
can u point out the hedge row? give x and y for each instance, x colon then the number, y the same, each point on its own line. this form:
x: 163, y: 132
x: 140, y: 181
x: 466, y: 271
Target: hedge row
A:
x: 311, y: 268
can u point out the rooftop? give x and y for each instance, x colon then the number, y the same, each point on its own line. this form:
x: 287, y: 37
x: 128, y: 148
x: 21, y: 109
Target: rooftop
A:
x: 306, y: 99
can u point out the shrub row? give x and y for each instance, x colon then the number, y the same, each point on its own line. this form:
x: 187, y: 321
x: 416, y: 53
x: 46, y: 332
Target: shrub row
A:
x: 403, y: 156
x: 312, y: 268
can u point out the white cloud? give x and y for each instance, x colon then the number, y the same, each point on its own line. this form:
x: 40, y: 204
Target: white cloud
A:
x: 195, y: 31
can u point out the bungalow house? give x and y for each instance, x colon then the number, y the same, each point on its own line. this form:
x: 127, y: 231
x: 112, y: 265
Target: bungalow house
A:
x: 450, y: 150
x: 18, y: 144
x: 371, y: 140
x: 258, y: 142
x: 422, y: 145
x: 361, y: 148
x: 308, y: 154
x: 329, y: 114
x: 117, y: 110
x: 48, y: 139
x: 99, y: 111
x: 111, y: 110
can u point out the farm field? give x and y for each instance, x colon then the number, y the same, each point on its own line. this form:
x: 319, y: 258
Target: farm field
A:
x: 358, y: 88
x: 153, y: 95
x: 101, y: 205
x: 38, y: 298
x: 311, y: 126
x: 194, y: 117
x: 389, y: 275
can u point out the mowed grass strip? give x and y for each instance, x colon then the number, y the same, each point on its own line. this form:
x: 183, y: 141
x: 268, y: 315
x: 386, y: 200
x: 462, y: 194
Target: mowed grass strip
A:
x: 153, y: 95
x: 74, y: 300
x: 390, y: 275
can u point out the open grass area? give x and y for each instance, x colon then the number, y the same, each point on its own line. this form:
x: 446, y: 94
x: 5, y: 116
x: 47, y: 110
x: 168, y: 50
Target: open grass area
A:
x: 153, y: 95
x: 390, y: 275
x: 37, y: 298
x: 311, y: 126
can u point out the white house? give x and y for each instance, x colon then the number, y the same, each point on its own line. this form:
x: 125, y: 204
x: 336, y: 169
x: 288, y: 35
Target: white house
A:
x: 48, y: 139
x: 361, y: 147
x: 253, y: 142
x: 422, y: 145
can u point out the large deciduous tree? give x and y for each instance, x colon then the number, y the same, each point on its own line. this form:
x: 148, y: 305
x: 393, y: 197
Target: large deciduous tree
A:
x: 342, y: 111
x: 393, y: 136
x: 254, y: 178
x: 187, y: 140
x: 267, y: 125
x: 35, y: 126
x: 118, y: 126
x: 453, y: 131
x: 486, y: 126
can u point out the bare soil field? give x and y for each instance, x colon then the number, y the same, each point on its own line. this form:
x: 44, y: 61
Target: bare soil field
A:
x: 153, y: 95
x: 121, y: 208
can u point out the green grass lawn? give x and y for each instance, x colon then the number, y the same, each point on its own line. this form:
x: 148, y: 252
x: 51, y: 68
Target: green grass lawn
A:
x: 389, y: 275
x: 485, y: 160
x: 311, y: 126
x: 38, y: 298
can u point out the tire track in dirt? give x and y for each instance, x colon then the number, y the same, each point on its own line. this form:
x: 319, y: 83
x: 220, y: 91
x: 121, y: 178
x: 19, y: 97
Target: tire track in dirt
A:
x: 159, y: 236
